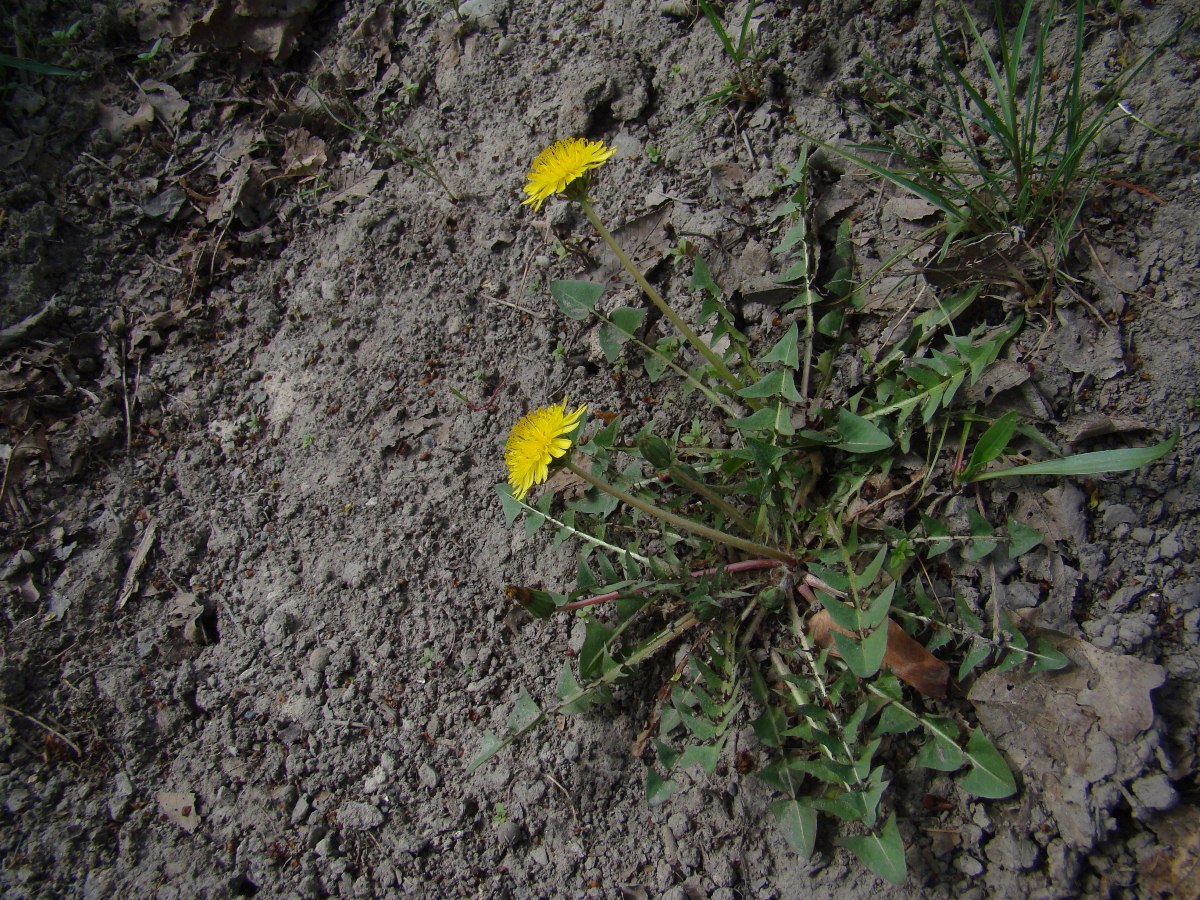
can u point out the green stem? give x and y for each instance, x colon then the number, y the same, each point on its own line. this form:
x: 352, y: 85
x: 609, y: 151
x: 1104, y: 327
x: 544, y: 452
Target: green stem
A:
x: 684, y: 479
x: 584, y: 536
x: 680, y: 522
x: 679, y: 370
x: 692, y: 338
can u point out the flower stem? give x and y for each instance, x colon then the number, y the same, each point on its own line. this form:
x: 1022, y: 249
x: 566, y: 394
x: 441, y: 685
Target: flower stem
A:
x: 680, y: 475
x: 746, y: 565
x: 680, y: 522
x: 692, y: 338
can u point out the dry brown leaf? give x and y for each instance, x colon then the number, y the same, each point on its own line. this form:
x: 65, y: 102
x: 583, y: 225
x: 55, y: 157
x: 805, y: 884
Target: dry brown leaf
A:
x: 118, y: 123
x: 168, y: 104
x: 254, y: 26
x: 1057, y: 513
x: 1109, y: 687
x: 1175, y: 871
x: 361, y: 188
x: 32, y: 446
x: 1071, y: 729
x: 303, y: 154
x: 1094, y: 424
x: 185, y: 614
x: 1088, y: 349
x: 1000, y: 376
x: 912, y: 209
x: 905, y: 657
x: 644, y: 238
x: 567, y: 484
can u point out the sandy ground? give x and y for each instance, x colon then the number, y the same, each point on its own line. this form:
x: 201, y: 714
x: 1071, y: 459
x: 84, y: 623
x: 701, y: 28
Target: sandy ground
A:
x: 253, y: 614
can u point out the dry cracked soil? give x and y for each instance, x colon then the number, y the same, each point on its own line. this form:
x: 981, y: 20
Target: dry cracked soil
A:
x: 252, y: 584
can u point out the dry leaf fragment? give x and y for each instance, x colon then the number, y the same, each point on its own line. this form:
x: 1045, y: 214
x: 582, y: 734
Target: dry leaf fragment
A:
x: 1071, y: 729
x: 1000, y: 376
x: 645, y: 238
x: 1175, y: 871
x: 912, y: 209
x: 118, y: 123
x: 185, y: 613
x: 168, y: 104
x: 361, y: 188
x: 1087, y: 349
x: 303, y: 154
x: 180, y: 808
x: 262, y: 28
x: 16, y: 459
x: 134, y: 572
x: 567, y: 484
x: 1109, y: 687
x: 1094, y: 424
x: 905, y: 657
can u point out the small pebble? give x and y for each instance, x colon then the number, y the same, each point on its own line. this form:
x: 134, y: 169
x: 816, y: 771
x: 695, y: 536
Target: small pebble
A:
x: 429, y: 777
x: 510, y: 834
x: 1142, y: 535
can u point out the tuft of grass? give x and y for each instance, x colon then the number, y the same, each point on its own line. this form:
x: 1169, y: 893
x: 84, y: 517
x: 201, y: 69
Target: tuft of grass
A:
x: 1012, y: 153
x: 744, y: 55
x: 419, y: 160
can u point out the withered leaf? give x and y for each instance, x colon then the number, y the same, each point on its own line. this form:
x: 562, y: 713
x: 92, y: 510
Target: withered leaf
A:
x: 1094, y: 424
x: 567, y: 484
x: 303, y: 154
x: 905, y: 657
x: 1175, y: 871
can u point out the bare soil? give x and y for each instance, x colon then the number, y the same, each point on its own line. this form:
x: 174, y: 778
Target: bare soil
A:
x: 253, y: 563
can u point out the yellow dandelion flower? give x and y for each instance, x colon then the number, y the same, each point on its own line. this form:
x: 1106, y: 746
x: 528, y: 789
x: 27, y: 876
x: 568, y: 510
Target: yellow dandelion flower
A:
x: 538, y: 439
x: 560, y: 164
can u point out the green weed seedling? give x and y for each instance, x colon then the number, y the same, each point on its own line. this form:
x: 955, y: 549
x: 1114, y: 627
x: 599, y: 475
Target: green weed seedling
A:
x: 419, y: 160
x: 767, y: 560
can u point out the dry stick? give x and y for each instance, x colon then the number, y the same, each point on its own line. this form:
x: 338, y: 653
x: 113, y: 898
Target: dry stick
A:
x: 898, y: 492
x: 36, y: 721
x: 682, y: 523
x: 746, y: 565
x: 15, y: 335
x: 692, y: 338
x: 550, y: 778
x: 524, y: 309
x: 677, y: 474
x: 125, y: 396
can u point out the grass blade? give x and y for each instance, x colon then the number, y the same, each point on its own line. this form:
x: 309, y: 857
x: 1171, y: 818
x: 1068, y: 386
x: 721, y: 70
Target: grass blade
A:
x: 1099, y: 462
x: 30, y: 65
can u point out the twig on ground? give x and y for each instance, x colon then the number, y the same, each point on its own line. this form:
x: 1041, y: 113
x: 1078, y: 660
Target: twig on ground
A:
x: 15, y: 335
x: 746, y: 565
x: 38, y: 722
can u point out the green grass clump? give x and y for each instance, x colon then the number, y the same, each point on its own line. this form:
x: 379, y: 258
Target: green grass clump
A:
x: 1012, y: 152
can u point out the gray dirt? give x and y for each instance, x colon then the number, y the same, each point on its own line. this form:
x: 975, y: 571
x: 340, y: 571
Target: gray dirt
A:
x: 253, y: 321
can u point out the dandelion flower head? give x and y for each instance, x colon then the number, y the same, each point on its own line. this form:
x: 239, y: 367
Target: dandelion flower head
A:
x: 538, y: 439
x: 560, y: 164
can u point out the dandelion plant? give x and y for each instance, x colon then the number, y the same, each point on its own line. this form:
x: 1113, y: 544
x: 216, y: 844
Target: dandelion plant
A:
x: 787, y: 565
